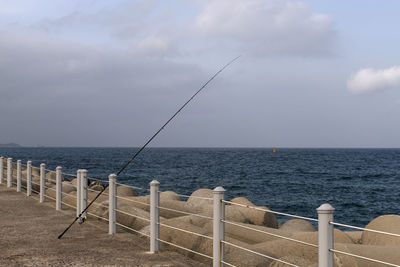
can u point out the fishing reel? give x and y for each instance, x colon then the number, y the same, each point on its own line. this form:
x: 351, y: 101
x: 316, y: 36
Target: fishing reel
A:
x: 82, y: 219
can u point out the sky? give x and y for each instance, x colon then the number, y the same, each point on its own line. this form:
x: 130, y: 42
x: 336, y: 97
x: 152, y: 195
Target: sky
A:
x: 100, y: 73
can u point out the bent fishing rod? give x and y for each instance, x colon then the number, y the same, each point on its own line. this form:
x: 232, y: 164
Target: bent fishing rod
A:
x: 148, y: 142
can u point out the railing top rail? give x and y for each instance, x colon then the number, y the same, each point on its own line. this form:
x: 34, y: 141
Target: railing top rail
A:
x: 134, y: 187
x: 364, y: 229
x: 271, y: 234
x: 188, y: 213
x: 134, y: 201
x: 187, y: 196
x: 270, y: 211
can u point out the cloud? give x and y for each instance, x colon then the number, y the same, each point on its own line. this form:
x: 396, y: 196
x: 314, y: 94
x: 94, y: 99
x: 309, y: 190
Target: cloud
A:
x: 60, y: 85
x: 268, y: 27
x: 368, y: 80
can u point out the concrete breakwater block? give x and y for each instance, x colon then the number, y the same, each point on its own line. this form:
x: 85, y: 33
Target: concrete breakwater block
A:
x: 294, y: 260
x: 177, y: 206
x: 141, y: 202
x: 250, y: 236
x: 197, y: 243
x: 257, y: 217
x: 67, y: 187
x: 244, y: 215
x: 196, y: 197
x: 235, y: 212
x: 190, y: 219
x: 51, y: 177
x: 282, y: 248
x: 125, y: 191
x: 96, y: 186
x: 182, y: 238
x: 385, y: 223
x: 170, y: 195
x: 355, y: 236
x: 297, y: 225
x: 35, y: 172
x: 385, y: 253
x: 126, y: 215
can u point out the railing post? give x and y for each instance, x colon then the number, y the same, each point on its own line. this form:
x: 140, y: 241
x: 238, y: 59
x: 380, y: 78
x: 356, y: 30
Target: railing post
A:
x: 1, y: 169
x: 78, y: 192
x: 9, y: 172
x: 112, y: 204
x: 58, y: 188
x: 218, y: 226
x: 42, y: 182
x: 325, y: 236
x: 29, y: 178
x: 154, y: 216
x: 19, y: 175
x: 84, y: 191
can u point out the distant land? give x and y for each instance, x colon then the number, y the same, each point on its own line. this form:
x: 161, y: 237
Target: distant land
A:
x: 10, y: 145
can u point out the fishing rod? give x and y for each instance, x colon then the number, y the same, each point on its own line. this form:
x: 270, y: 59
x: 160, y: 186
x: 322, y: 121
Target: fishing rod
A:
x: 148, y: 142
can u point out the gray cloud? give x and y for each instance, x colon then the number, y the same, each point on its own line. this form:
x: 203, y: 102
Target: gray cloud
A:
x: 46, y: 83
x: 284, y: 27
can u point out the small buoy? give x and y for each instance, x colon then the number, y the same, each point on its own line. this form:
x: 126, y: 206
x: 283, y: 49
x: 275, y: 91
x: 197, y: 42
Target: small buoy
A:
x: 274, y: 150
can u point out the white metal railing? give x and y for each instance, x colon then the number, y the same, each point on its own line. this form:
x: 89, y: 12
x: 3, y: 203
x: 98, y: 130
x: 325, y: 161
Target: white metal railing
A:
x: 325, y: 212
x: 360, y: 256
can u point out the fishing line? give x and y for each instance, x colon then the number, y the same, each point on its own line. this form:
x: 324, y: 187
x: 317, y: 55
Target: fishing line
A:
x: 148, y: 142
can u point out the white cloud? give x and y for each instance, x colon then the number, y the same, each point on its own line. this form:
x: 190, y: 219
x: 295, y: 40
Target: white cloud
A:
x: 368, y: 80
x: 268, y: 26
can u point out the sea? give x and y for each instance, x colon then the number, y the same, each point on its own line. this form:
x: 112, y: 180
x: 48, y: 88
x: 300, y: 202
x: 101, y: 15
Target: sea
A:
x: 361, y: 184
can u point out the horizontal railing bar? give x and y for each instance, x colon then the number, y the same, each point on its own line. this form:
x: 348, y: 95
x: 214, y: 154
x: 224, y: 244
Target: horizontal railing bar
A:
x: 50, y: 197
x: 175, y: 245
x: 129, y: 214
x: 187, y: 213
x: 33, y: 190
x: 204, y: 198
x: 102, y: 218
x: 68, y: 174
x: 186, y: 231
x: 97, y: 179
x: 68, y: 205
x: 364, y: 229
x: 99, y: 204
x: 259, y: 254
x: 134, y: 187
x: 224, y: 262
x: 68, y: 194
x: 134, y: 201
x: 364, y: 258
x: 136, y: 231
x: 271, y: 211
x: 271, y: 234
x: 95, y: 191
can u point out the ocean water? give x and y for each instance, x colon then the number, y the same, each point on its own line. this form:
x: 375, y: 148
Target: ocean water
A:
x: 361, y: 184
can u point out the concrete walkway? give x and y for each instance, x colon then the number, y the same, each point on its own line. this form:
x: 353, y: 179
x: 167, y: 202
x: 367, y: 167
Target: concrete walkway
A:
x: 29, y: 230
